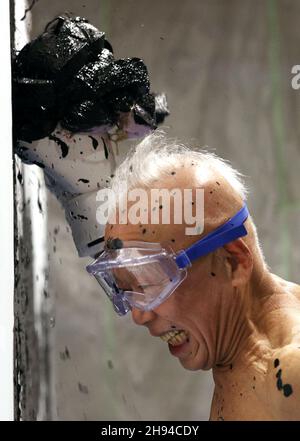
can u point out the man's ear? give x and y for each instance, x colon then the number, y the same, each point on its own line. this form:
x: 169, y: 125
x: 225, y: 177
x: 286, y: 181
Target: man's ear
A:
x: 240, y: 261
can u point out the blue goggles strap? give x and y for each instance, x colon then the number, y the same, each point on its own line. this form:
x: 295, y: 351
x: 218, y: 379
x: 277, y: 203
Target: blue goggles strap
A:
x: 231, y: 230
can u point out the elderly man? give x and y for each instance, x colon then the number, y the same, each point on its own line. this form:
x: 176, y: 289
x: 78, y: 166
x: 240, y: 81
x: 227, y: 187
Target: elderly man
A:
x: 210, y: 296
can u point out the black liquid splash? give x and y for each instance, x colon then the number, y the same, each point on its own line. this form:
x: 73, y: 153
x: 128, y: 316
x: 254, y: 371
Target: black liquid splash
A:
x: 68, y: 75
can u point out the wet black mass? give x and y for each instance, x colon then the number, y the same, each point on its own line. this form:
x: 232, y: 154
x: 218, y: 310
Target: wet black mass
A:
x: 69, y: 75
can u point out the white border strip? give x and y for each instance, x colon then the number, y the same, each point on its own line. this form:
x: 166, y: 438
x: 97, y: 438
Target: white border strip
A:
x: 6, y: 224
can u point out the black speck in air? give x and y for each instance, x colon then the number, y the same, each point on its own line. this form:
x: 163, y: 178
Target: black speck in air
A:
x: 110, y: 364
x: 83, y: 389
x: 160, y: 207
x: 131, y: 168
x: 80, y: 216
x: 173, y: 240
x: 94, y: 142
x: 173, y: 326
x: 213, y: 274
x: 193, y: 203
x: 254, y: 378
x: 173, y: 173
x: 85, y: 181
x: 218, y: 183
x: 211, y: 192
x: 276, y: 363
x: 64, y: 147
x: 105, y: 149
x: 144, y: 230
x: 231, y: 366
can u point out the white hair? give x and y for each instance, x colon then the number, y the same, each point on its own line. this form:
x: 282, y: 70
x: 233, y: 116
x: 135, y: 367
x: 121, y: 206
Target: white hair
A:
x: 156, y: 155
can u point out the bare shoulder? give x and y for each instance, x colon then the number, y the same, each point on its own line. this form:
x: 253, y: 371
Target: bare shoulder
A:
x: 284, y: 382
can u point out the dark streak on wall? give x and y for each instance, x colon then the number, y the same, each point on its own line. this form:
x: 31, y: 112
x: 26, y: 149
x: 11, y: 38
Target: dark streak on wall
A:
x: 31, y: 356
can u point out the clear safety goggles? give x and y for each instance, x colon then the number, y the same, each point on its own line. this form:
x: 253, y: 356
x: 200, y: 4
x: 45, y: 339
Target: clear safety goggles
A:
x: 143, y: 275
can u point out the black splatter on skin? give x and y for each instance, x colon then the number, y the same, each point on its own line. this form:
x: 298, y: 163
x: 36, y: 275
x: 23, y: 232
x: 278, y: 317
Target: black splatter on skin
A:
x: 144, y: 230
x: 114, y: 243
x: 285, y: 388
x: 85, y: 181
x: 64, y: 147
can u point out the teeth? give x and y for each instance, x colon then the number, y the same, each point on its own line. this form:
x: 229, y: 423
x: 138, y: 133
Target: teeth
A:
x: 174, y: 338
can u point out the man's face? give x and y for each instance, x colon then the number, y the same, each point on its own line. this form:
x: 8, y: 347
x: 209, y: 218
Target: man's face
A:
x: 194, y: 307
x: 200, y: 305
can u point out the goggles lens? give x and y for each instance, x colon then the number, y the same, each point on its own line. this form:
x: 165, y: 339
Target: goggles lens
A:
x: 143, y: 275
x: 135, y: 277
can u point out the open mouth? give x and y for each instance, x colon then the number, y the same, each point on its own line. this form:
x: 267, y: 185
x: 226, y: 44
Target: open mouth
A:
x: 175, y: 338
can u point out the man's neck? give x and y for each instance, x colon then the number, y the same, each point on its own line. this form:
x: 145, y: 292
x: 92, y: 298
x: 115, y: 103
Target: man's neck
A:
x: 238, y: 329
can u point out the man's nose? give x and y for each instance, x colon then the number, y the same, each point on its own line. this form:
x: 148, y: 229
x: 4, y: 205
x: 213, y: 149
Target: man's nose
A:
x: 142, y: 317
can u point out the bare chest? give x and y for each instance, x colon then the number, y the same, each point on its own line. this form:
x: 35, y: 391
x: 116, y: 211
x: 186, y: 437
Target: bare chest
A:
x: 241, y: 399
